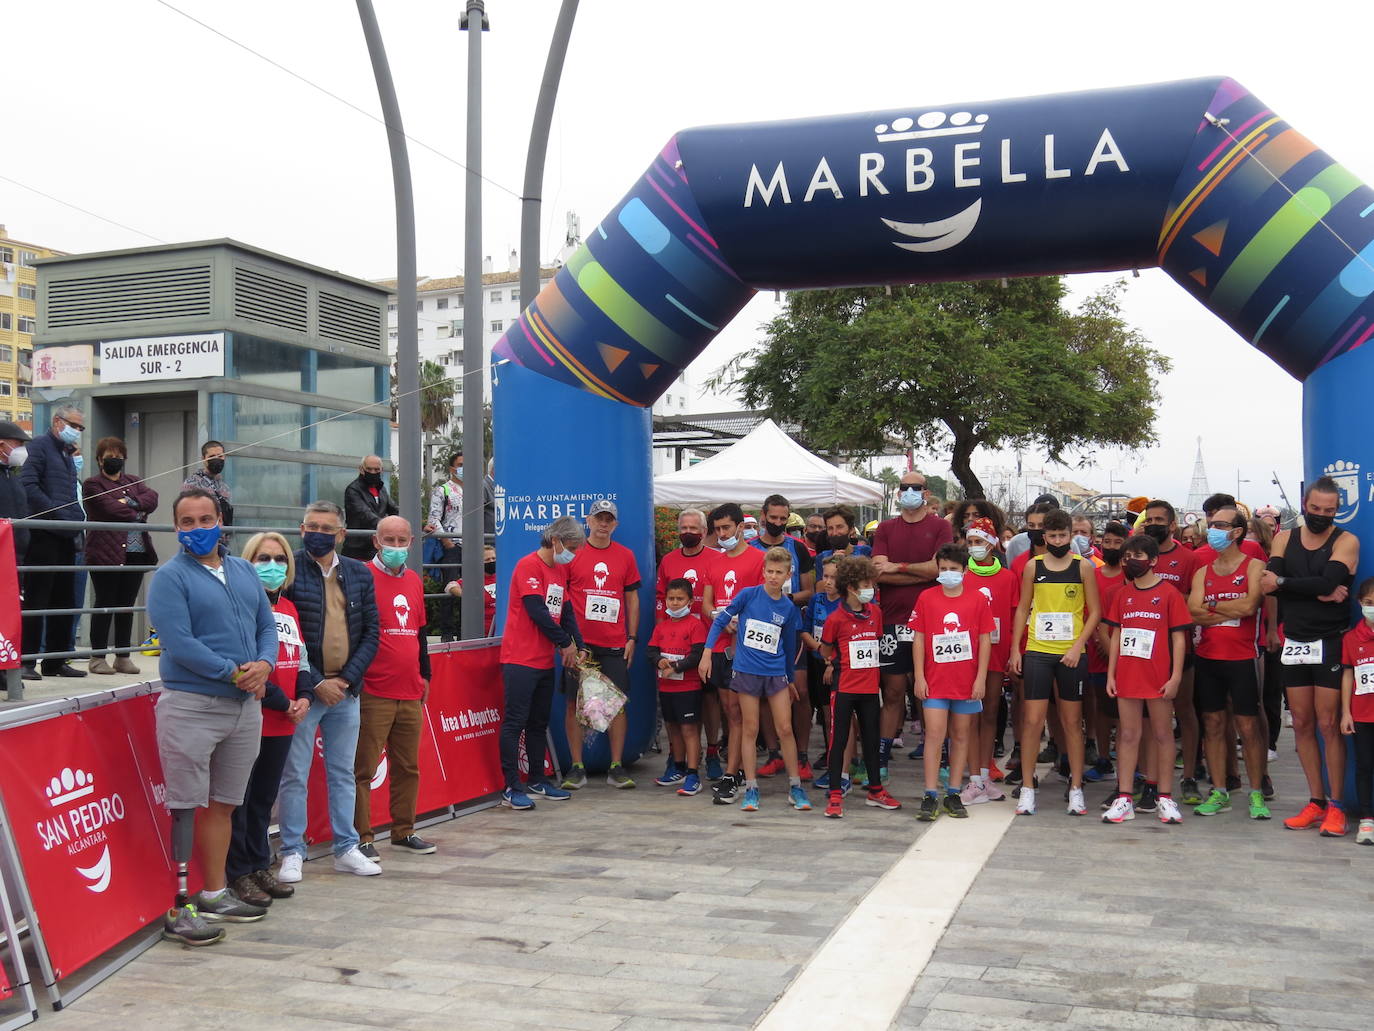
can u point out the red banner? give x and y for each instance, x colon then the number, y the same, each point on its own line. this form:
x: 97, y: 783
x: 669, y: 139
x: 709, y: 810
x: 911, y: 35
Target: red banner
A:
x: 11, y: 635
x: 460, y: 759
x: 84, y: 794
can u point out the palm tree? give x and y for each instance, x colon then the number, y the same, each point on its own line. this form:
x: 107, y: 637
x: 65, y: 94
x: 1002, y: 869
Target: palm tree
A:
x: 436, y: 397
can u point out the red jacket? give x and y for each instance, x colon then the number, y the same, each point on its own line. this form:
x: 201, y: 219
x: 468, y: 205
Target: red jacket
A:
x: 108, y: 501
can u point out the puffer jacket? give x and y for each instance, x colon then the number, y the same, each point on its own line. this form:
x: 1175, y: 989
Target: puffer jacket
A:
x: 49, y: 479
x: 360, y: 595
x: 125, y: 500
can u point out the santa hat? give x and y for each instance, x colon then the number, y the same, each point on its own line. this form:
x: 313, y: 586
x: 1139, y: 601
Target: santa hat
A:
x: 982, y: 527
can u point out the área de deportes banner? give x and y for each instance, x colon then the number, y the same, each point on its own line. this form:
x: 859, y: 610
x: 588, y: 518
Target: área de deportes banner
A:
x: 10, y: 620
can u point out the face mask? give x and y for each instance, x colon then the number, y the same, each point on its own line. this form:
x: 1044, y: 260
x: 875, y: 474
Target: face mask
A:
x: 950, y: 577
x: 1220, y: 540
x: 1137, y: 567
x: 679, y: 613
x: 1082, y: 544
x: 271, y: 574
x: 1368, y: 612
x: 690, y: 540
x: 776, y: 529
x: 18, y: 457
x: 489, y: 567
x: 79, y: 462
x: 395, y: 558
x: 1057, y: 550
x: 318, y: 544
x: 1037, y: 537
x: 562, y: 558
x: 727, y: 543
x: 214, y: 466
x: 112, y: 466
x: 200, y: 541
x: 1159, y: 533
x: 372, y: 479
x: 817, y: 538
x: 838, y: 543
x: 865, y: 594
x: 911, y: 497
x: 750, y: 533
x: 1112, y: 556
x: 1317, y: 523
x: 979, y: 552
x: 69, y: 435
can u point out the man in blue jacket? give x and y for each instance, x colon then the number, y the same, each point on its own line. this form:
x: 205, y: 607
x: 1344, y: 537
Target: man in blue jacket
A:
x: 219, y: 644
x: 336, y: 602
x: 51, y: 485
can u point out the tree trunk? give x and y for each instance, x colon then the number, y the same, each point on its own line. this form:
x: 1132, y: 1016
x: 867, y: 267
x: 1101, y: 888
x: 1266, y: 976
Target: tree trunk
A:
x: 960, y: 463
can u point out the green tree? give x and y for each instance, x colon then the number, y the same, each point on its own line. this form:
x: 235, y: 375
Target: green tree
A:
x: 436, y: 397
x: 955, y: 365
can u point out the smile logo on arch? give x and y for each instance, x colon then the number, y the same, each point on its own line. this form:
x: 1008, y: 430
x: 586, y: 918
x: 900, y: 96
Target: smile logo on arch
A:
x: 941, y: 235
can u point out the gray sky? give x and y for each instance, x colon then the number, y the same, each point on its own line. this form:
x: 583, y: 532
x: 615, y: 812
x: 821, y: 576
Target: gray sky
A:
x: 137, y: 114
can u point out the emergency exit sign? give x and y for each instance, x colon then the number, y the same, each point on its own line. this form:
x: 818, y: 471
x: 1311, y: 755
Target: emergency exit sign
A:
x: 153, y: 358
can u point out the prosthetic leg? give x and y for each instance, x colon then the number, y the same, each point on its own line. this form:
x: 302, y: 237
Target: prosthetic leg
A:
x: 183, y: 841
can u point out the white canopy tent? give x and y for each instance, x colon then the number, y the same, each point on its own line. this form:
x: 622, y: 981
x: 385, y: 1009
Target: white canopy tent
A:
x: 765, y: 462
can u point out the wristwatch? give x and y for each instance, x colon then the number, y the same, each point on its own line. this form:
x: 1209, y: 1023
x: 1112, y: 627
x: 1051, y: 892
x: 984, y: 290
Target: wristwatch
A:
x: 1278, y: 581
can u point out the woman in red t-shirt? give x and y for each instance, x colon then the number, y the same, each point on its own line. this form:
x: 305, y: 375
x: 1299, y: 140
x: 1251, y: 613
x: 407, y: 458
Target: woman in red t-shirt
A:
x: 250, y: 856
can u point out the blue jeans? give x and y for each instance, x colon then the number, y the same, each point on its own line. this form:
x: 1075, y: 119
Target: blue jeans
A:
x: 338, y: 725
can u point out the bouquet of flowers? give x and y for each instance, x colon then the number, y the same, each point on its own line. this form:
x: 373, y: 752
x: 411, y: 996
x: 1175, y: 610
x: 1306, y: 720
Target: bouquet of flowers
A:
x: 598, y: 700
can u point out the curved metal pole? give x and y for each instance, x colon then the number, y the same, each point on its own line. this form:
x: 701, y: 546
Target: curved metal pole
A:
x: 408, y: 472
x: 532, y: 199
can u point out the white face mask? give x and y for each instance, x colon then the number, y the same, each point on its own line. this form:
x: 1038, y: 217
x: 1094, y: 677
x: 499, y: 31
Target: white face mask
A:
x: 679, y: 613
x: 979, y: 551
x: 865, y: 594
x: 18, y: 456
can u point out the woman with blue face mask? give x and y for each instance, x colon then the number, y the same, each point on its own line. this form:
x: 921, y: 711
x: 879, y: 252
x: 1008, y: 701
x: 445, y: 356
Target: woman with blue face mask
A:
x: 248, y: 866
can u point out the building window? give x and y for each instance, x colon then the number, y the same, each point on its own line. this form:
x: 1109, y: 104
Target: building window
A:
x: 7, y: 254
x: 6, y: 320
x: 27, y: 325
x: 28, y: 291
x: 441, y: 303
x: 27, y: 258
x: 419, y: 305
x: 393, y: 334
x: 6, y: 388
x: 496, y: 325
x: 6, y: 353
x: 391, y: 307
x: 496, y: 297
x: 458, y: 301
x: 23, y: 390
x: 442, y: 331
x: 456, y: 327
x: 419, y: 332
x: 515, y: 296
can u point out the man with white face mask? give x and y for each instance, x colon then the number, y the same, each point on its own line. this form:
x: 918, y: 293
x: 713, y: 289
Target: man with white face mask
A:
x: 14, y: 503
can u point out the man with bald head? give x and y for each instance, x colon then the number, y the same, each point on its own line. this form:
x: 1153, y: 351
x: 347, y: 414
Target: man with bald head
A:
x: 394, y: 691
x: 366, y: 503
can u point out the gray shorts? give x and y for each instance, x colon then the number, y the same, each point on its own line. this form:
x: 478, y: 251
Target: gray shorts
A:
x: 208, y: 745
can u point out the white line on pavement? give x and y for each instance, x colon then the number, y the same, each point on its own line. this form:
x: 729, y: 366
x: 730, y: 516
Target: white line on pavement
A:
x: 893, y: 931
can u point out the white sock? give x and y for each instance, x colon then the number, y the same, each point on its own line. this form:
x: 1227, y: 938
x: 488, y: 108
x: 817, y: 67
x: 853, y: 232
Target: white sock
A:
x: 976, y: 781
x: 214, y: 896
x: 986, y: 774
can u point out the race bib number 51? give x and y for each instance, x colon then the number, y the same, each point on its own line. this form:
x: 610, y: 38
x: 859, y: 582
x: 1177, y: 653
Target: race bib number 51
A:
x: 1137, y: 642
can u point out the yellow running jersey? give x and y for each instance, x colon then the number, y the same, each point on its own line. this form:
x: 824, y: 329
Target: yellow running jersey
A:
x: 1056, y: 617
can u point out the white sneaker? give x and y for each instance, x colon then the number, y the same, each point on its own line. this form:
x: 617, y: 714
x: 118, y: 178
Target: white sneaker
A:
x: 1121, y: 810
x: 290, y: 872
x: 1077, y: 807
x: 1025, y: 804
x: 1169, y: 811
x: 354, y: 861
x: 1273, y: 756
x: 1365, y: 835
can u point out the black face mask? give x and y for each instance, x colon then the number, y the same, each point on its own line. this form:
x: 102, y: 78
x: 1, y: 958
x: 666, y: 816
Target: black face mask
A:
x: 1112, y: 556
x: 1159, y: 533
x: 1137, y: 567
x: 1037, y: 537
x: 214, y: 466
x: 1317, y: 523
x: 775, y: 529
x: 372, y: 479
x: 1057, y: 550
x: 817, y: 538
x: 839, y: 542
x: 112, y: 466
x: 690, y: 540
x: 489, y: 567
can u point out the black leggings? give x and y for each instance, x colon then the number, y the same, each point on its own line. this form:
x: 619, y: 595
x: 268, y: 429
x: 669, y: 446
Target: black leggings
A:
x: 249, y: 849
x: 1272, y: 698
x: 1364, y: 769
x: 867, y: 707
x: 114, y: 588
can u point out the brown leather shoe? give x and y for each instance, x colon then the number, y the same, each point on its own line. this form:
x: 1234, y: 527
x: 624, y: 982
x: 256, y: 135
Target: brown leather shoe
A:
x: 247, y: 889
x: 123, y: 664
x: 268, y: 882
x: 100, y: 667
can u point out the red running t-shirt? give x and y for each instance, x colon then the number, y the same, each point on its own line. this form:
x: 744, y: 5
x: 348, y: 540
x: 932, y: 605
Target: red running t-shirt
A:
x: 395, y: 672
x: 855, y: 637
x: 1357, y: 652
x: 1003, y: 591
x: 290, y: 650
x: 1176, y: 568
x: 729, y: 576
x: 1147, y: 618
x: 1107, y: 586
x: 675, y: 638
x: 597, y: 581
x: 695, y: 569
x: 951, y: 627
x: 1236, y: 638
x: 524, y: 644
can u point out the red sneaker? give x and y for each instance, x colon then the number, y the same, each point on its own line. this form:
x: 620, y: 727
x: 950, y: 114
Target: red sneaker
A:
x: 1334, y: 824
x: 804, y: 771
x: 771, y: 768
x: 882, y: 800
x: 995, y: 773
x: 1312, y: 815
x: 834, y: 808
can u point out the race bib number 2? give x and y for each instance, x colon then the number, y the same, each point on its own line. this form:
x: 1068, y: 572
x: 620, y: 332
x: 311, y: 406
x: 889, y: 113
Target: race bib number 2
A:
x: 1054, y: 626
x: 1301, y: 653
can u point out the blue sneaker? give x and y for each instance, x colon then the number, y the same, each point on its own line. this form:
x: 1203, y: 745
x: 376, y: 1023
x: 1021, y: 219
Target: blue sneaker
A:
x: 944, y: 776
x: 823, y: 781
x: 670, y: 767
x: 797, y: 796
x: 882, y: 774
x: 750, y: 802
x: 516, y: 800
x: 713, y: 770
x: 846, y: 783
x: 671, y: 777
x: 549, y: 791
x: 1091, y: 775
x: 691, y: 784
x: 917, y: 752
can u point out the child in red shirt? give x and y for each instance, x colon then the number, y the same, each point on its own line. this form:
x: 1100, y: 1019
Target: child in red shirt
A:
x: 1002, y: 588
x: 1357, y: 707
x: 853, y: 632
x: 951, y: 649
x: 674, y: 651
x: 1150, y: 625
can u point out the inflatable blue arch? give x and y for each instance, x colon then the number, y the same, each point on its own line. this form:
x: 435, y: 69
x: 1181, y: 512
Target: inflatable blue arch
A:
x: 1198, y: 177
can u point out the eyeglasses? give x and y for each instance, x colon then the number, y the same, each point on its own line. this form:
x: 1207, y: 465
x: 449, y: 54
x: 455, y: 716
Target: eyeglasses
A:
x: 79, y: 427
x: 1220, y: 526
x: 319, y: 528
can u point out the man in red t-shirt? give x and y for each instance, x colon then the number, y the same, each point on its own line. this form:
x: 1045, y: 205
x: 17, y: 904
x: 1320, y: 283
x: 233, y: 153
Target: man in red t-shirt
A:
x: 395, y: 686
x: 1150, y: 625
x: 904, y: 550
x: 604, y: 585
